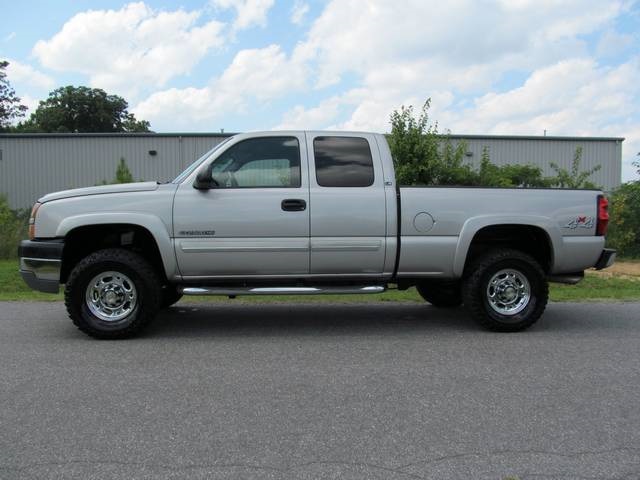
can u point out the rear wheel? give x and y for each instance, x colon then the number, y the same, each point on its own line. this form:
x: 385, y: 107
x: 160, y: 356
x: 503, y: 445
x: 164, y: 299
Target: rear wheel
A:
x: 441, y: 294
x: 505, y: 290
x: 112, y: 293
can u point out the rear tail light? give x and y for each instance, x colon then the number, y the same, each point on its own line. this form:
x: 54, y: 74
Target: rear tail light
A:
x: 603, y: 215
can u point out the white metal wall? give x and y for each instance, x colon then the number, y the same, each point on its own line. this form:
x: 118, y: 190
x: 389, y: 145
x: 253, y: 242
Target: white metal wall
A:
x: 541, y: 151
x: 33, y: 165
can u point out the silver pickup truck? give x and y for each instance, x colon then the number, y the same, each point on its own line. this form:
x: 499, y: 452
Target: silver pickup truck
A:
x: 303, y: 212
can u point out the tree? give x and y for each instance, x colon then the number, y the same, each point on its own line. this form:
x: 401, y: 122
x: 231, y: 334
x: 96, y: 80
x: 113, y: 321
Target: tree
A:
x: 574, y: 178
x: 82, y: 109
x: 624, y: 224
x: 414, y: 146
x: 423, y: 157
x: 10, y: 106
x: 123, y: 174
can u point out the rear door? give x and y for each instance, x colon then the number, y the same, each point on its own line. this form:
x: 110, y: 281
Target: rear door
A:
x: 347, y: 198
x: 256, y: 223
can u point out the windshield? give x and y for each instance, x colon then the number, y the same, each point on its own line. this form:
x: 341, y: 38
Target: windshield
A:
x: 199, y: 162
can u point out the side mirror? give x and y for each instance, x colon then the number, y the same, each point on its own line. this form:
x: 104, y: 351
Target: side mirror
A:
x: 204, y: 180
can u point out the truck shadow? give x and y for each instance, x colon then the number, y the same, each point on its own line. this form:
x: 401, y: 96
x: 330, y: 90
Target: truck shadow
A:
x: 185, y: 320
x: 324, y: 319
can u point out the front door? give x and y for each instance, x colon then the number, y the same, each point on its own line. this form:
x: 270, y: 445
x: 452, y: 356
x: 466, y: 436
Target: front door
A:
x: 256, y: 221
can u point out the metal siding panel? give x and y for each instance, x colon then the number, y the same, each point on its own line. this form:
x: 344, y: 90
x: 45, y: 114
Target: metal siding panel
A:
x: 542, y: 152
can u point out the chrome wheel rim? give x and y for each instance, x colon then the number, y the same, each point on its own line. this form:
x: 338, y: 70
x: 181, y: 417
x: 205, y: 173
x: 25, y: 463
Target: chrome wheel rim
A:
x: 508, y: 292
x: 111, y: 296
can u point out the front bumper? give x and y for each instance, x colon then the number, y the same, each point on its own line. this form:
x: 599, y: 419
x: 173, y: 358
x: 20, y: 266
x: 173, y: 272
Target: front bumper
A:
x: 607, y: 257
x: 40, y: 264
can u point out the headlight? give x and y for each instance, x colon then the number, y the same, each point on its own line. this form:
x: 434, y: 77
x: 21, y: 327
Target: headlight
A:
x: 32, y: 221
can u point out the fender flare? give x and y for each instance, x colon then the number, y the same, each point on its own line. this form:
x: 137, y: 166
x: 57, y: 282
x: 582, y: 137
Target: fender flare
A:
x: 474, y: 224
x: 159, y: 231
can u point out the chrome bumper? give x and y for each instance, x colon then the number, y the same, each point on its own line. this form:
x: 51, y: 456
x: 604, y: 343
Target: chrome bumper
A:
x: 40, y: 264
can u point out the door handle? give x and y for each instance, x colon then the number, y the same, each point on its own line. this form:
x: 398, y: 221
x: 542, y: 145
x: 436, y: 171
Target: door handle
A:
x: 293, y: 205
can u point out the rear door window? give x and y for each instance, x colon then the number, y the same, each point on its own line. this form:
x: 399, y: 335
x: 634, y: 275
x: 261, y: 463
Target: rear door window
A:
x: 343, y: 162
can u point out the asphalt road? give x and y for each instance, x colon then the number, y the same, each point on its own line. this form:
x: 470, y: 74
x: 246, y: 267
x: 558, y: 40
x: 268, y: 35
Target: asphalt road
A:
x: 322, y: 391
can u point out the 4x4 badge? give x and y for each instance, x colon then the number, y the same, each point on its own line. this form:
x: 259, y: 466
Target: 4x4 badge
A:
x: 581, y: 221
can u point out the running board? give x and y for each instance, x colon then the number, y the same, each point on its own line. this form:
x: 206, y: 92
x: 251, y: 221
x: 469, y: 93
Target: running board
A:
x: 233, y: 291
x: 567, y: 278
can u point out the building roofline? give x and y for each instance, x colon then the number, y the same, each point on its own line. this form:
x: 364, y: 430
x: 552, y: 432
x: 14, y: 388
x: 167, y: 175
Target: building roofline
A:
x: 534, y: 137
x: 454, y: 136
x: 114, y: 134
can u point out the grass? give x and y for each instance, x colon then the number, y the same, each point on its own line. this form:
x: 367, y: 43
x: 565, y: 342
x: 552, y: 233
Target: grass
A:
x: 12, y: 287
x: 606, y: 286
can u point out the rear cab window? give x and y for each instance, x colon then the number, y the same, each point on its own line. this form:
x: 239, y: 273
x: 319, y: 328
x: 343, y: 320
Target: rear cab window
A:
x: 343, y: 162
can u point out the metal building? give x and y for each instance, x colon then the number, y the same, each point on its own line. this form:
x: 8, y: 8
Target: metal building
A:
x: 542, y: 150
x: 32, y: 165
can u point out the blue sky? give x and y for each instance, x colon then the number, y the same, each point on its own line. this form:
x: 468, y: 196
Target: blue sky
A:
x: 570, y: 67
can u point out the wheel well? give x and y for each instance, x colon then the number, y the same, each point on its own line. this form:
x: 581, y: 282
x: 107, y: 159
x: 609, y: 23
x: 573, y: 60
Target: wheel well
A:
x: 525, y: 238
x: 82, y: 241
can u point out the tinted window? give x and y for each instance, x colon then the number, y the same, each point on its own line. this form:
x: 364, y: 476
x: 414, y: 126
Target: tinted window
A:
x: 259, y: 162
x: 343, y: 162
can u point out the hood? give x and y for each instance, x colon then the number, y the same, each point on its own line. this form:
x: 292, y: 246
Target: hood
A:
x: 102, y: 189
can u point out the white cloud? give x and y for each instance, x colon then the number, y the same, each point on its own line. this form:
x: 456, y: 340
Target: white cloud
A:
x: 257, y: 75
x: 31, y: 104
x: 320, y: 116
x: 360, y: 37
x: 249, y: 13
x: 9, y: 37
x: 130, y: 48
x: 298, y: 12
x: 23, y: 74
x: 613, y: 43
x: 572, y: 97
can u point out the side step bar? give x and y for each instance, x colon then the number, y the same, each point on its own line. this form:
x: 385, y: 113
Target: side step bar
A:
x: 567, y: 278
x: 233, y: 291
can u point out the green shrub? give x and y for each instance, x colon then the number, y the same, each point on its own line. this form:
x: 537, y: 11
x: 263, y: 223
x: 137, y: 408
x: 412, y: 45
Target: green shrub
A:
x: 574, y: 178
x: 624, y: 224
x: 123, y: 174
x: 13, y: 228
x: 415, y: 146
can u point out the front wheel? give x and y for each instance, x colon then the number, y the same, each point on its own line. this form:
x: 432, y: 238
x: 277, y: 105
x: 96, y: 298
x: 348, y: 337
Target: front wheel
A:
x: 505, y: 290
x: 112, y: 293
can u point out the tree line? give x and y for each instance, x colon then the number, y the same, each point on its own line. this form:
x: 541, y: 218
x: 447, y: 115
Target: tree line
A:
x: 67, y: 110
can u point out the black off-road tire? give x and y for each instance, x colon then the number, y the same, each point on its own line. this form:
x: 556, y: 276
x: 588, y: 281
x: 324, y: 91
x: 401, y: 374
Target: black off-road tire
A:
x: 476, y: 282
x: 170, y: 295
x: 441, y: 294
x: 137, y: 269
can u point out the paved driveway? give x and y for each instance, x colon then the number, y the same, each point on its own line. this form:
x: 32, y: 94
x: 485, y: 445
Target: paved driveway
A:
x: 322, y: 391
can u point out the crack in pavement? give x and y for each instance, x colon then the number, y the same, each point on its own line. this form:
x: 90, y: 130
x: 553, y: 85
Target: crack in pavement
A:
x: 517, y: 452
x: 209, y: 466
x: 400, y: 470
